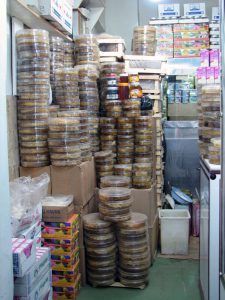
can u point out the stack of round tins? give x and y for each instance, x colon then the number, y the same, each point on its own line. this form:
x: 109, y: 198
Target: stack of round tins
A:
x: 115, y: 181
x: 104, y: 164
x: 144, y: 40
x: 67, y: 92
x: 56, y: 60
x: 100, y: 242
x: 125, y: 140
x: 214, y: 151
x: 108, y: 134
x: 123, y: 170
x: 85, y: 145
x: 134, y: 252
x: 64, y: 139
x: 69, y: 58
x: 115, y: 204
x: 143, y: 139
x: 142, y: 175
x: 131, y: 108
x: 86, y: 50
x: 33, y: 86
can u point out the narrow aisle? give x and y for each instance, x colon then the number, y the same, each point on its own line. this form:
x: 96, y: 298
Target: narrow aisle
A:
x: 169, y: 280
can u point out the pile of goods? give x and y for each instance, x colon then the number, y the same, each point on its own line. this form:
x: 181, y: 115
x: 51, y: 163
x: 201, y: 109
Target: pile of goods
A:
x: 144, y: 40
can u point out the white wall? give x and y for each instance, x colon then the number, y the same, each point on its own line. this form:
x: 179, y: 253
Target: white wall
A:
x: 121, y: 16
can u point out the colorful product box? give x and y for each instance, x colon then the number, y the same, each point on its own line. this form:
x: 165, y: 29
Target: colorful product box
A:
x: 63, y: 280
x: 201, y: 75
x: 210, y: 75
x: 67, y: 16
x: 62, y: 293
x: 214, y: 58
x: 217, y: 77
x: 23, y: 286
x: 62, y: 246
x: 204, y: 57
x: 65, y: 263
x: 61, y: 229
x: 24, y: 255
x: 41, y: 290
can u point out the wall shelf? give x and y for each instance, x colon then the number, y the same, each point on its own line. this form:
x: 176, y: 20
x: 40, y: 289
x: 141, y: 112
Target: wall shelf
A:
x: 19, y: 10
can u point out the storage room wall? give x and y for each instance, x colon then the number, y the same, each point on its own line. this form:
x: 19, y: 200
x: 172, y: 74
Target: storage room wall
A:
x: 121, y: 16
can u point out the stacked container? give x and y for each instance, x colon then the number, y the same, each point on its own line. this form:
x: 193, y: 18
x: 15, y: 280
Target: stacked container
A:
x: 64, y: 139
x: 125, y: 143
x: 86, y: 50
x: 69, y: 59
x: 85, y: 145
x: 67, y: 92
x: 142, y: 175
x: 124, y: 170
x: 134, y: 252
x: 104, y: 163
x: 144, y: 40
x: 62, y: 238
x: 33, y: 85
x: 214, y: 151
x: 115, y: 181
x: 101, y: 255
x: 115, y: 204
x: 108, y: 134
x: 56, y: 60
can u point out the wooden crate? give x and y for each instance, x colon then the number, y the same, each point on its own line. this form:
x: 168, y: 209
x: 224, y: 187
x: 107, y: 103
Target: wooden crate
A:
x: 145, y: 64
x: 119, y: 45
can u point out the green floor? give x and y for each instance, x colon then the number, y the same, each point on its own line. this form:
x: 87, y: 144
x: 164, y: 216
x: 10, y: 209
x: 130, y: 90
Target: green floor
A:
x: 169, y: 280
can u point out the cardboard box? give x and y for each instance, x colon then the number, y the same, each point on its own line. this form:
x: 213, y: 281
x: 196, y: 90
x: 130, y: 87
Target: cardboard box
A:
x: 35, y: 172
x: 168, y: 10
x: 154, y: 237
x: 83, y: 266
x: 57, y: 213
x: 144, y: 201
x: 67, y: 16
x: 30, y: 233
x: 215, y: 14
x: 52, y: 10
x: 79, y: 181
x: 194, y: 10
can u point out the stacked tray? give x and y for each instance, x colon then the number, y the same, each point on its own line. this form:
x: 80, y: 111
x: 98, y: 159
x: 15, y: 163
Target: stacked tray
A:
x: 64, y: 139
x: 210, y: 113
x: 134, y: 252
x: 125, y: 140
x: 109, y: 89
x: 115, y: 204
x: 94, y: 133
x: 131, y: 108
x: 143, y: 139
x: 115, y: 181
x: 69, y: 58
x: 88, y: 89
x: 33, y: 87
x: 67, y: 92
x: 144, y: 40
x: 142, y: 175
x: 101, y: 252
x: 56, y: 60
x: 104, y: 164
x: 86, y: 50
x: 108, y: 134
x: 214, y: 151
x: 85, y: 145
x: 123, y: 170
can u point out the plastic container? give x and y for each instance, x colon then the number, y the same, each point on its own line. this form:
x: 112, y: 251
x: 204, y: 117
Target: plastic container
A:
x: 174, y: 231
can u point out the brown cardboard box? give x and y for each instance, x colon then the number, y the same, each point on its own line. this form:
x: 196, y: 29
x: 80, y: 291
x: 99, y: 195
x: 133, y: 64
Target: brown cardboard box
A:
x: 82, y: 266
x: 35, y: 172
x: 57, y: 213
x: 154, y: 238
x: 79, y: 181
x: 144, y: 201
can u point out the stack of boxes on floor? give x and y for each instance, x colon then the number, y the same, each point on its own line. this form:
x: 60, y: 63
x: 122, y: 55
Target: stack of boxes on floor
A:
x: 60, y: 234
x: 209, y: 93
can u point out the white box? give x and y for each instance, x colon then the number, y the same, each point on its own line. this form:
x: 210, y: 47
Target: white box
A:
x: 31, y: 232
x: 24, y: 286
x: 67, y: 16
x: 51, y: 10
x: 168, y: 10
x: 215, y: 14
x: 174, y: 231
x: 41, y: 289
x: 194, y: 10
x: 24, y: 255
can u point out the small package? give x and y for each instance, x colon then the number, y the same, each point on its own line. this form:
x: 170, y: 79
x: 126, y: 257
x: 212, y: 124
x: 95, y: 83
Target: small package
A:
x: 57, y: 208
x: 24, y: 286
x: 24, y: 255
x: 61, y: 229
x: 62, y: 246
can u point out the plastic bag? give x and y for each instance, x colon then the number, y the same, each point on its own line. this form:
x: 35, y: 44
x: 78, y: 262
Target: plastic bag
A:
x: 146, y: 103
x: 26, y: 194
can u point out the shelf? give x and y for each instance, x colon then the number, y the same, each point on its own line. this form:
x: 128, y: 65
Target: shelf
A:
x: 19, y: 10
